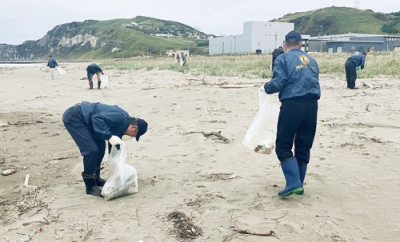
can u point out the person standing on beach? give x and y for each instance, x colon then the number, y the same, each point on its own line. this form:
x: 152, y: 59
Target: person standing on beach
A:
x: 296, y: 79
x: 353, y: 63
x: 52, y: 63
x: 90, y: 125
x: 182, y: 58
x: 91, y: 70
x: 276, y: 53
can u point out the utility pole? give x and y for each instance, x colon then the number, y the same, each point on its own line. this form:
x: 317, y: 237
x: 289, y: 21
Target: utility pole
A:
x: 320, y: 40
x: 235, y: 45
x: 357, y: 4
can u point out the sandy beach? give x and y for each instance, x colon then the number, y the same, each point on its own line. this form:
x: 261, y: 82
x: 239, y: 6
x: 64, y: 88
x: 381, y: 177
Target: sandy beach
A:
x: 221, y: 189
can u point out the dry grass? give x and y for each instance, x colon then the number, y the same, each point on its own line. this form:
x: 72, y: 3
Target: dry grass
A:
x: 258, y: 66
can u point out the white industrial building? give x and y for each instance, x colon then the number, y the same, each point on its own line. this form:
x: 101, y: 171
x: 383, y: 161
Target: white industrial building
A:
x: 257, y: 37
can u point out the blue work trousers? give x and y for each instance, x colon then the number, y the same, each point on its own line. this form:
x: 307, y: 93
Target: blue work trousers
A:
x: 91, y: 147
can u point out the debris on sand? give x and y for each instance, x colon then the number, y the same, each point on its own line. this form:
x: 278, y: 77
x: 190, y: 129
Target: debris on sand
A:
x: 184, y: 229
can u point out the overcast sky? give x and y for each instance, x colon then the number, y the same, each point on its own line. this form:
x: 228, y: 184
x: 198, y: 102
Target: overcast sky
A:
x: 22, y: 20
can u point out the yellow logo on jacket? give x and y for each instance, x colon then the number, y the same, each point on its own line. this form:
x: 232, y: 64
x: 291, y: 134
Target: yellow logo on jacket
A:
x: 304, y: 60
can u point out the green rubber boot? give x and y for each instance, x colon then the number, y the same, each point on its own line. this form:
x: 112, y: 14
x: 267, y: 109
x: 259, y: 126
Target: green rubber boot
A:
x: 290, y: 169
x: 302, y: 170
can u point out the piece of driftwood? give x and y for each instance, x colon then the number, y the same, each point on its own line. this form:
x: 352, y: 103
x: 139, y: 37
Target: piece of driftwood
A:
x: 26, y: 183
x: 242, y: 231
x: 8, y: 172
x: 369, y: 85
x: 193, y: 79
x: 217, y: 134
x: 236, y: 86
x: 365, y: 84
x: 4, y: 123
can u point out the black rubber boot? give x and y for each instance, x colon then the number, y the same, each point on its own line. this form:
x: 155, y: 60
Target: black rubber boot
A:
x: 90, y: 183
x: 90, y: 84
x: 98, y: 84
x: 99, y: 181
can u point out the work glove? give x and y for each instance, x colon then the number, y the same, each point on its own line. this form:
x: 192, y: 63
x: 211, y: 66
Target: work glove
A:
x: 115, y: 140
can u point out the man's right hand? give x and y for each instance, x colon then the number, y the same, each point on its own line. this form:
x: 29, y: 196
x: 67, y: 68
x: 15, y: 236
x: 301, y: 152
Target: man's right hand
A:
x: 115, y: 140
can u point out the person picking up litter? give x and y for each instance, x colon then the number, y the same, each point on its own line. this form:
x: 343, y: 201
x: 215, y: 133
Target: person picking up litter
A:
x: 90, y: 125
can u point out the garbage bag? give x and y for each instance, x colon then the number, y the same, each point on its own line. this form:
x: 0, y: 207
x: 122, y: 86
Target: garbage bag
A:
x: 123, y: 179
x: 261, y: 135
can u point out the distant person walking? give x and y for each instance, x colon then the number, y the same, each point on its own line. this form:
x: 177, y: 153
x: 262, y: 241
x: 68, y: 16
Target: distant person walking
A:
x: 276, y: 53
x: 91, y: 70
x: 52, y: 63
x: 183, y: 59
x: 353, y: 63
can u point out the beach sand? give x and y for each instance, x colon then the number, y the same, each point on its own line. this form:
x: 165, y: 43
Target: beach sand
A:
x: 217, y: 186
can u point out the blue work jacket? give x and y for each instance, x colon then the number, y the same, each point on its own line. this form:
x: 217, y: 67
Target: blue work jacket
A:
x: 105, y: 120
x: 358, y: 60
x: 296, y: 74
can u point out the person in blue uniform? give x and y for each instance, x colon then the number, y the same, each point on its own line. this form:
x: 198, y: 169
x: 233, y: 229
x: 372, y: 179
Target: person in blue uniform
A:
x: 91, y: 70
x: 52, y: 63
x: 90, y: 125
x: 352, y: 64
x: 296, y: 79
x: 276, y: 53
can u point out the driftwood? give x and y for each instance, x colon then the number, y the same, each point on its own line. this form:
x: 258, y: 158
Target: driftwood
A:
x: 217, y: 134
x: 193, y: 79
x: 367, y: 85
x: 237, y: 86
x: 241, y: 231
x: 26, y: 183
x: 8, y: 172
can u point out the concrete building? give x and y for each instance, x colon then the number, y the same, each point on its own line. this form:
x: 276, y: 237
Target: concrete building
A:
x: 351, y: 43
x: 257, y: 37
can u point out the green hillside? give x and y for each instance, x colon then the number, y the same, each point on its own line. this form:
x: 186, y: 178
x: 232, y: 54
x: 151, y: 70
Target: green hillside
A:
x: 128, y: 41
x: 145, y: 36
x: 340, y: 20
x: 117, y: 38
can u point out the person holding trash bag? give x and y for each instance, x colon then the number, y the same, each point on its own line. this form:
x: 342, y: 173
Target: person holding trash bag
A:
x: 52, y: 63
x: 296, y: 78
x: 89, y: 125
x: 91, y: 70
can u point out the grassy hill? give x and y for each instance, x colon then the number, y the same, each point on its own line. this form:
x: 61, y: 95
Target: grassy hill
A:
x: 340, y: 20
x: 145, y: 36
x: 128, y: 41
x: 117, y: 38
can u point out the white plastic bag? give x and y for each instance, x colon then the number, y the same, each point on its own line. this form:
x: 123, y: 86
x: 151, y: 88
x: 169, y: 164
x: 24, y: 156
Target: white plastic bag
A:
x: 60, y: 70
x: 261, y: 135
x: 104, y: 81
x: 123, y: 178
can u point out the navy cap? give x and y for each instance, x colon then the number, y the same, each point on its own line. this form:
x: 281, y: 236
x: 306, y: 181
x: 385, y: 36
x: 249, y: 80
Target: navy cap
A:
x: 293, y: 35
x: 142, y: 128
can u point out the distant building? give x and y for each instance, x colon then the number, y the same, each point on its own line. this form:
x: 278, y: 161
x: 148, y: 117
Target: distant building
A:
x: 351, y: 43
x: 258, y: 37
